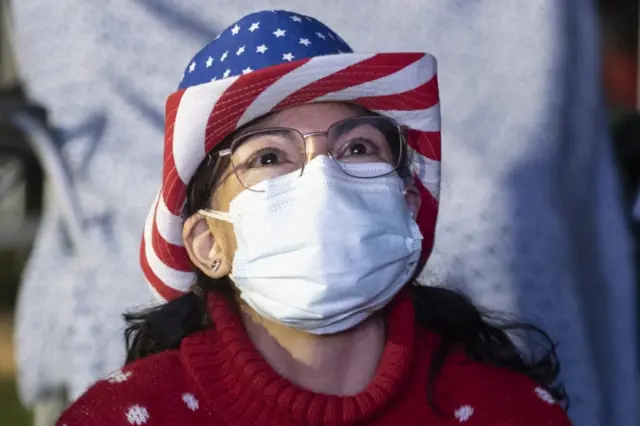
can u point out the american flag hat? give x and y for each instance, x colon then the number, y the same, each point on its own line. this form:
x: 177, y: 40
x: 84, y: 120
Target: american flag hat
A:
x: 269, y: 61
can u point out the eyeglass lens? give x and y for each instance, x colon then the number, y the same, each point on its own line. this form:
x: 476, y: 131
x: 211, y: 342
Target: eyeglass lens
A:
x: 269, y: 153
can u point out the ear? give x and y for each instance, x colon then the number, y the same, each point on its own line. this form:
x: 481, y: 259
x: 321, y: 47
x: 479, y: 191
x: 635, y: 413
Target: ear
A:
x: 203, y: 249
x: 412, y: 196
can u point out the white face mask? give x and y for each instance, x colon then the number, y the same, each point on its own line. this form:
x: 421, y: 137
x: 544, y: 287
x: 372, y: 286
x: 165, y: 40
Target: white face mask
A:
x: 323, y: 251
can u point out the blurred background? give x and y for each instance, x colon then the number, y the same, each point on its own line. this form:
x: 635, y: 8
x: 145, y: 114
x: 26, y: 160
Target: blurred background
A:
x: 25, y: 122
x: 22, y: 195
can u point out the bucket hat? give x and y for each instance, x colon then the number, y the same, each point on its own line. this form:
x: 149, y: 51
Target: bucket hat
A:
x: 268, y: 61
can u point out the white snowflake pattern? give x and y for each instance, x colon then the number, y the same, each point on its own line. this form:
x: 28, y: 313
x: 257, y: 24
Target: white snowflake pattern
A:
x: 138, y: 415
x: 191, y: 401
x: 118, y: 376
x: 464, y: 413
x: 544, y: 395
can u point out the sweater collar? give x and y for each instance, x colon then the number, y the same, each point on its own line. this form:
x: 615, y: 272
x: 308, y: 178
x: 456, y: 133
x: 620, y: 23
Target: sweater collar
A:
x: 240, y: 385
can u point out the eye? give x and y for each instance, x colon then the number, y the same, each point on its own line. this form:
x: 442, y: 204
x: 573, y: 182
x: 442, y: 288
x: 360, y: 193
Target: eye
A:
x: 266, y: 157
x: 359, y: 146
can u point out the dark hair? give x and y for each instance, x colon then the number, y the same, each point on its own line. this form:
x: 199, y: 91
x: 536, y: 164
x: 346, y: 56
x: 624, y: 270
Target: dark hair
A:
x: 445, y: 312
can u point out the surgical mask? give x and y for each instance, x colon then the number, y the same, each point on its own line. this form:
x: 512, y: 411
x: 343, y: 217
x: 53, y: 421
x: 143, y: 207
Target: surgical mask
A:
x: 321, y: 251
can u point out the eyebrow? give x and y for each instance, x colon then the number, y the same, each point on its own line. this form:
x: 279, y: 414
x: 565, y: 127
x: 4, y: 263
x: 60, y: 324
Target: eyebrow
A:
x: 264, y: 120
x: 253, y: 125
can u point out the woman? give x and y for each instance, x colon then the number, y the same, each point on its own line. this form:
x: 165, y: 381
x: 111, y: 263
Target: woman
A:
x: 300, y: 187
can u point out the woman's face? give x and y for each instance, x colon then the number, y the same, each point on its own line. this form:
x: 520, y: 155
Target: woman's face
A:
x: 210, y: 241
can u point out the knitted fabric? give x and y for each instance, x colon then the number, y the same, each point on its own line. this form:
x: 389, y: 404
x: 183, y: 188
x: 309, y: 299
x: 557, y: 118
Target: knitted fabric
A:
x: 217, y: 377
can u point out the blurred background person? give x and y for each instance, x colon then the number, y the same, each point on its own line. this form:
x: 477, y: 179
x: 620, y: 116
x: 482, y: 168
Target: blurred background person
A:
x: 532, y: 219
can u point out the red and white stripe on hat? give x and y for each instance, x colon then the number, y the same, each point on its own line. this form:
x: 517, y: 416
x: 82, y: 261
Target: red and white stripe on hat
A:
x: 402, y: 86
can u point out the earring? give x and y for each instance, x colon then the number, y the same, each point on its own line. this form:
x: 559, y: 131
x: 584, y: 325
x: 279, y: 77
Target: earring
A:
x: 215, y: 265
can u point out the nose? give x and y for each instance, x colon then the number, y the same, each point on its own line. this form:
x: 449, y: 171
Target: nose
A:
x: 316, y: 143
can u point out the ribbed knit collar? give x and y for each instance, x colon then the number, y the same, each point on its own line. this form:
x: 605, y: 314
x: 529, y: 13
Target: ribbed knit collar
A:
x: 242, y: 389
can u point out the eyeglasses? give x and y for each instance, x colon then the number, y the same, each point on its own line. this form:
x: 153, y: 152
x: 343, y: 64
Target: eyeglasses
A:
x: 268, y: 153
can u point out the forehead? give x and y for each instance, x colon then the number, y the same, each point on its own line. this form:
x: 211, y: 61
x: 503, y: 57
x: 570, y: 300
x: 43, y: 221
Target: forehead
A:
x: 309, y: 118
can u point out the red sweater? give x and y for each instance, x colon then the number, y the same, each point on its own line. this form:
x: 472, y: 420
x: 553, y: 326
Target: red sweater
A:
x: 218, y: 378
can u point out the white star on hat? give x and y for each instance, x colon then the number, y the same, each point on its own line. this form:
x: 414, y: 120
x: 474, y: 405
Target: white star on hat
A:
x: 224, y: 56
x: 226, y: 73
x: 192, y: 67
x: 295, y: 18
x: 279, y: 33
x: 288, y: 57
x: 235, y: 30
x: 240, y: 51
x: 209, y: 62
x: 247, y: 70
x: 305, y: 41
x: 254, y: 26
x: 262, y: 48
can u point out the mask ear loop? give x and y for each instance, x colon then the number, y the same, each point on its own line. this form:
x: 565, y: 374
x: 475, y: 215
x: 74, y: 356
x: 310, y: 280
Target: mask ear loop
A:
x: 214, y: 214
